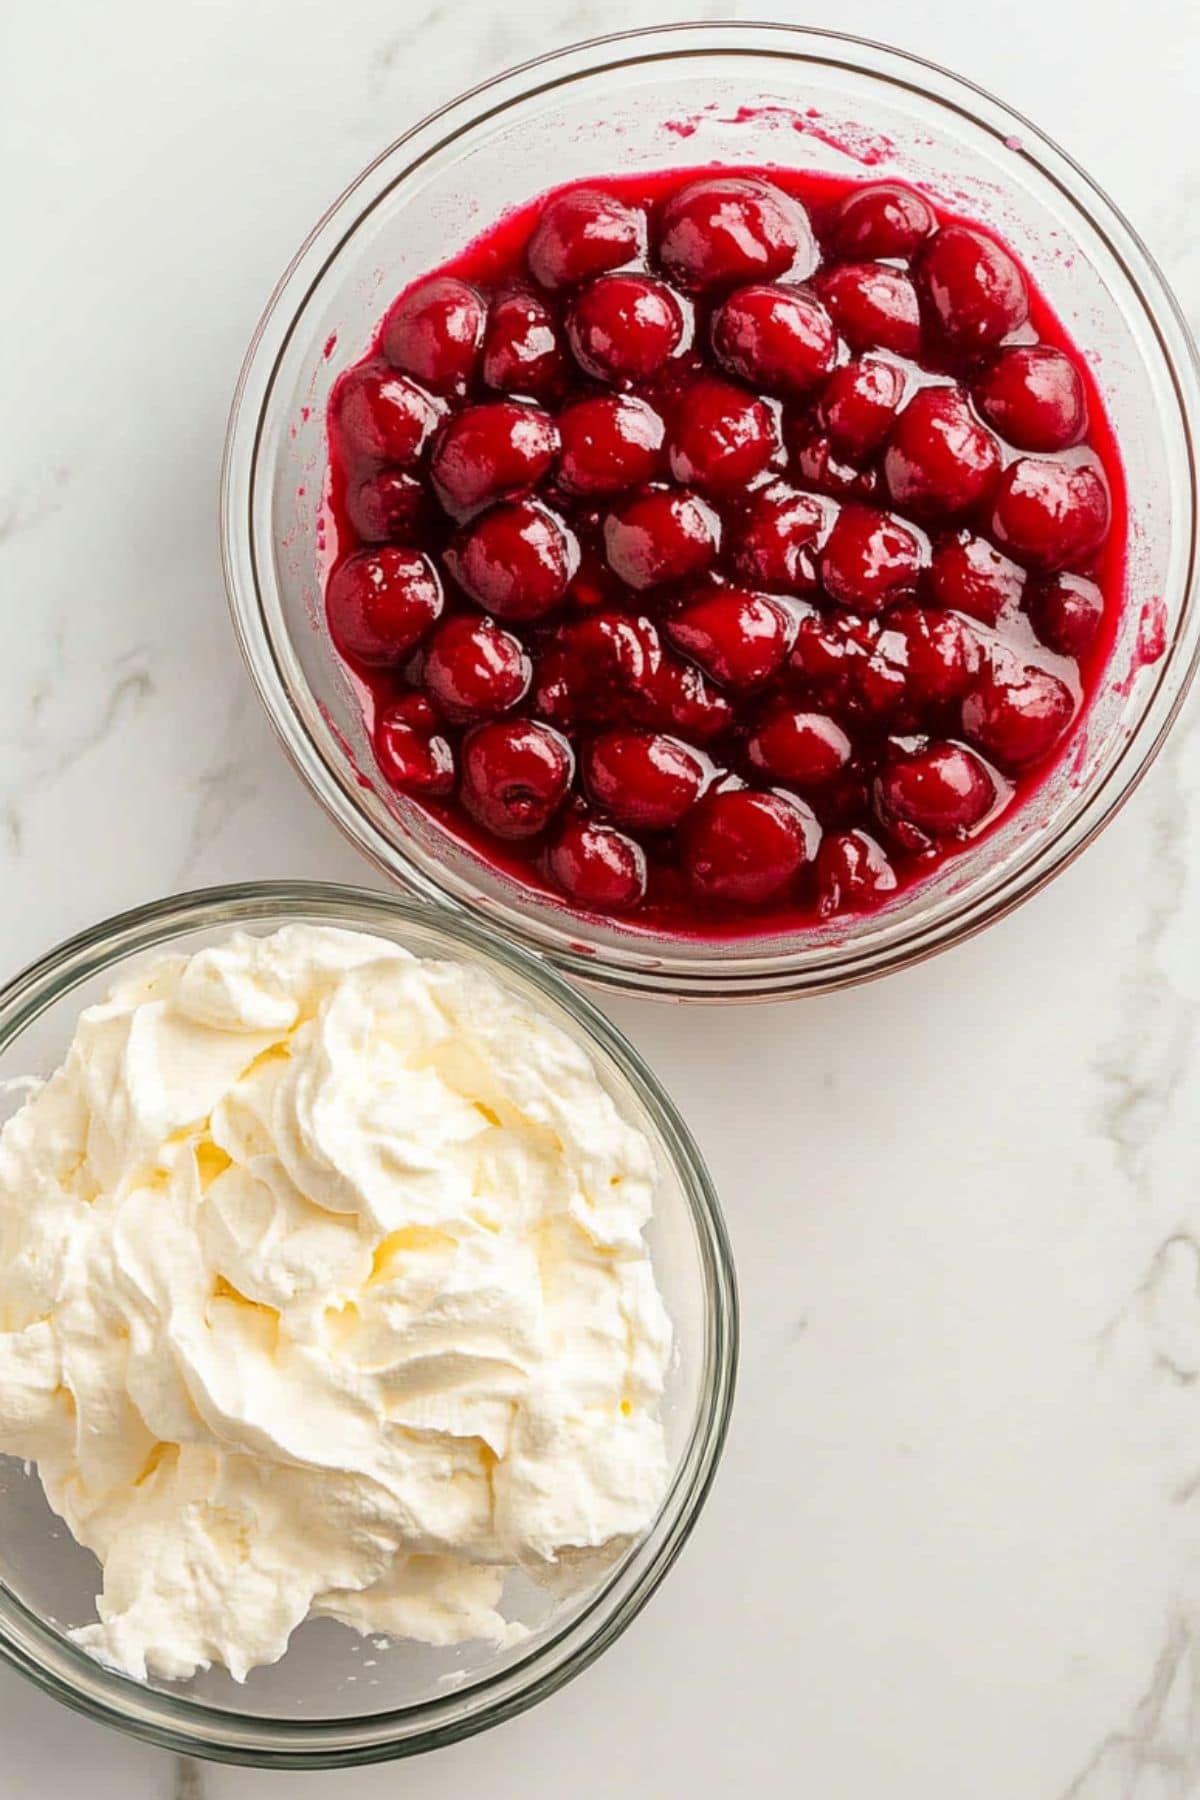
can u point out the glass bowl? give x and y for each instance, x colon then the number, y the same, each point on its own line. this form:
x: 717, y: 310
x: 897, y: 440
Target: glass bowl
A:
x: 680, y: 97
x: 336, y: 1698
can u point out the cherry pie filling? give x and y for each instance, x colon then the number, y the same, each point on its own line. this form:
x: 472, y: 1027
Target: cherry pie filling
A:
x: 725, y: 550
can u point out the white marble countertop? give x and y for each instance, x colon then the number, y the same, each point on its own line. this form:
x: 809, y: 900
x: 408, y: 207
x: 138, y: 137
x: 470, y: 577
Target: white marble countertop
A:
x: 953, y: 1548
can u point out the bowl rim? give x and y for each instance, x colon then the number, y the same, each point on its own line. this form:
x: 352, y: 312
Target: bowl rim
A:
x: 655, y: 967
x: 196, y: 1728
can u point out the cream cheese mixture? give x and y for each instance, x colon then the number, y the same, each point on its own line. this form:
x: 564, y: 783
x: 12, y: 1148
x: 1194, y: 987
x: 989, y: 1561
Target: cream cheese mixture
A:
x: 324, y: 1291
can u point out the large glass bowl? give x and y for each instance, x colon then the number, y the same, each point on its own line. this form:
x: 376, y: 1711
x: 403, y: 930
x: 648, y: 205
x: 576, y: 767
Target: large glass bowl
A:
x: 337, y: 1698
x: 679, y: 97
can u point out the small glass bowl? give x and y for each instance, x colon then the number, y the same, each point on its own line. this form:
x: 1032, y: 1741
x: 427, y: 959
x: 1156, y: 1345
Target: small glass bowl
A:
x: 338, y: 1699
x: 682, y: 97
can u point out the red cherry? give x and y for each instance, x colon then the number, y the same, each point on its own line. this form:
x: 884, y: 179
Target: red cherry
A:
x: 1016, y: 715
x: 938, y: 652
x: 776, y: 540
x: 582, y: 233
x: 853, y: 874
x: 434, y: 332
x: 740, y: 638
x: 389, y: 505
x: 410, y: 752
x: 739, y: 845
x: 718, y: 231
x: 806, y: 749
x: 623, y: 328
x: 497, y: 451
x: 643, y: 778
x: 869, y: 560
x: 1034, y: 396
x: 609, y: 443
x: 873, y: 306
x: 598, y: 867
x: 720, y: 437
x: 941, y: 789
x: 660, y: 535
x: 814, y: 461
x: 380, y: 603
x: 778, y: 338
x: 600, y: 667
x: 381, y: 416
x: 859, y: 403
x: 1066, y: 613
x: 969, y: 575
x: 975, y: 289
x: 1050, y: 514
x: 686, y: 700
x: 474, y: 670
x: 521, y: 351
x: 516, y: 560
x: 884, y: 219
x: 516, y: 774
x: 940, y: 460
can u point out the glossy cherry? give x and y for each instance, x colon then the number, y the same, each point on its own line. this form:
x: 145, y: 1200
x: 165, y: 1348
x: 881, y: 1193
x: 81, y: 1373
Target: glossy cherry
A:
x: 853, y: 873
x: 969, y: 575
x: 623, y: 328
x: 522, y: 351
x: 940, y: 788
x: 884, y: 219
x: 660, y: 534
x: 644, y: 778
x: 1051, y: 515
x: 801, y: 749
x: 597, y: 866
x: 516, y: 773
x: 859, y: 403
x: 380, y: 603
x: 610, y: 442
x: 516, y: 560
x: 777, y: 338
x: 722, y: 230
x: 381, y: 416
x: 412, y: 754
x: 434, y: 333
x: 940, y: 461
x: 870, y: 559
x: 1016, y: 714
x: 974, y: 289
x: 1067, y: 612
x: 776, y: 538
x: 739, y: 638
x: 741, y: 845
x: 499, y: 450
x: 874, y: 306
x: 720, y: 437
x: 474, y: 670
x: 1034, y: 396
x: 581, y: 233
x: 391, y: 506
x: 938, y: 652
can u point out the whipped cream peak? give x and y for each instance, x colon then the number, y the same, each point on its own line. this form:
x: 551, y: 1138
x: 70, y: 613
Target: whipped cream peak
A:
x: 324, y: 1290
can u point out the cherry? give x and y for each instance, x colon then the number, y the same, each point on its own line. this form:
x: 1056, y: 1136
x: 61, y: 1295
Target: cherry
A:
x: 1066, y: 613
x: 382, y: 417
x: 598, y: 667
x: 814, y: 461
x: 380, y: 603
x: 804, y: 748
x: 660, y: 535
x: 721, y: 230
x: 969, y: 575
x: 1050, y: 514
x: 859, y: 403
x: 434, y: 332
x: 623, y: 328
x: 516, y: 560
x: 1016, y: 714
x: 497, y: 451
x: 686, y: 700
x: 720, y: 437
x: 941, y: 789
x: 474, y: 670
x: 853, y: 873
x: 1034, y: 396
x: 740, y: 638
x: 643, y: 778
x: 940, y: 460
x: 869, y: 560
x: 884, y: 219
x: 740, y: 845
x: 609, y: 443
x: 581, y: 233
x: 521, y: 350
x: 874, y: 307
x: 843, y: 662
x: 389, y: 505
x: 776, y: 537
x: 410, y: 751
x: 598, y: 866
x: 516, y: 773
x: 778, y: 338
x: 938, y: 652
x: 974, y: 288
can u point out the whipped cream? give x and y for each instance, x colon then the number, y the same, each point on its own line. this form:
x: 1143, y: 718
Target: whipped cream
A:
x: 324, y: 1291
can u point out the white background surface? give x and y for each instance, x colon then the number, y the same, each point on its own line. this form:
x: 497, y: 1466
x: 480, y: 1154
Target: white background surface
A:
x: 953, y: 1549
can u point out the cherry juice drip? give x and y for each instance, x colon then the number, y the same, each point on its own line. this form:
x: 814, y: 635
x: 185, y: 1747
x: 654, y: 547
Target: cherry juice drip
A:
x: 723, y: 550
